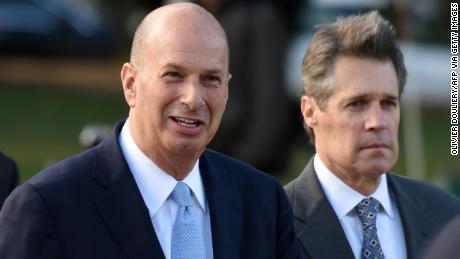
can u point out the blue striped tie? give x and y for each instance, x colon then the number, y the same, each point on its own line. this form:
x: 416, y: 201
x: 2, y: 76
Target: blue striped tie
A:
x: 187, y: 233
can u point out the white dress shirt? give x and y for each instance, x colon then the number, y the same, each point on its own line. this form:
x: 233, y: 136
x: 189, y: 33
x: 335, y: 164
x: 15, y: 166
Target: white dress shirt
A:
x: 156, y: 186
x: 344, y: 199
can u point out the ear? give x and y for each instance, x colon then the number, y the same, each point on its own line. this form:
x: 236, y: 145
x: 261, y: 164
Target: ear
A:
x: 229, y: 76
x: 310, y: 110
x: 129, y: 81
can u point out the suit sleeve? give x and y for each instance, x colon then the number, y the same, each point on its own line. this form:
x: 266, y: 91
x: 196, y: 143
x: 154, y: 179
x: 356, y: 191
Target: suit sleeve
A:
x: 27, y: 229
x: 9, y: 177
x: 287, y: 244
x: 14, y: 177
x: 446, y: 244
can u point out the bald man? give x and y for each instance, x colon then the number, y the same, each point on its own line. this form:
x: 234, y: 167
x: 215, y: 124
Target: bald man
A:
x: 151, y: 189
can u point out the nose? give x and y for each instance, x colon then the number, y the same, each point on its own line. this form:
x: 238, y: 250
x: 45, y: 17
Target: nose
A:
x: 375, y: 119
x: 193, y: 96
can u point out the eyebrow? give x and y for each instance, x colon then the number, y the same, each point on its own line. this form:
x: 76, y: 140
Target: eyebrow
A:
x: 391, y: 97
x: 368, y: 95
x: 171, y: 65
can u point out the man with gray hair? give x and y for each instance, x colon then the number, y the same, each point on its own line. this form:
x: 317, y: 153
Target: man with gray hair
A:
x: 346, y: 203
x: 151, y: 189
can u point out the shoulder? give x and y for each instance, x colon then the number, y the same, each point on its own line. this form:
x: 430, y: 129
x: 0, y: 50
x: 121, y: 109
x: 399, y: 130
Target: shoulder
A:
x: 305, y: 184
x: 8, y: 170
x: 69, y: 169
x: 65, y: 182
x: 228, y: 161
x: 63, y: 185
x: 420, y: 188
x: 9, y: 176
x: 252, y: 185
x: 6, y: 163
x: 429, y: 194
x: 291, y: 186
x: 106, y: 157
x: 237, y: 168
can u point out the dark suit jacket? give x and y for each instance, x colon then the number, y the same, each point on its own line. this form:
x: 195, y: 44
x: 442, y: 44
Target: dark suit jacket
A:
x: 423, y: 208
x: 89, y: 207
x: 446, y: 245
x: 9, y: 177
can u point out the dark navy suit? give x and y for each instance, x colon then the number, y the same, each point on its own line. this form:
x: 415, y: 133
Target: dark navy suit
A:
x: 423, y: 210
x: 89, y: 207
x: 9, y: 177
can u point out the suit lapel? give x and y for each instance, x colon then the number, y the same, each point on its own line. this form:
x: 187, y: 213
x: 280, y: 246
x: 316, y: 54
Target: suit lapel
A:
x: 121, y: 205
x: 319, y: 230
x: 224, y: 206
x: 413, y: 218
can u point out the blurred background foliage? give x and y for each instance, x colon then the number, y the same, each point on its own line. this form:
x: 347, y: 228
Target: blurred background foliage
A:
x: 60, y: 63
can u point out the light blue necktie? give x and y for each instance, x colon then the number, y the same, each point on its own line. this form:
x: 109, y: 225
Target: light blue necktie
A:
x: 367, y: 212
x: 187, y: 234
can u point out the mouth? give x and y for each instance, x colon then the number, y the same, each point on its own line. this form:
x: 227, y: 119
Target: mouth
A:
x: 186, y: 122
x: 375, y: 146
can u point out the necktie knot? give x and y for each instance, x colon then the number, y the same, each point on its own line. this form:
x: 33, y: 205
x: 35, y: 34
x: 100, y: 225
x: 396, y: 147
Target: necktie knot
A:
x: 367, y: 212
x: 181, y: 195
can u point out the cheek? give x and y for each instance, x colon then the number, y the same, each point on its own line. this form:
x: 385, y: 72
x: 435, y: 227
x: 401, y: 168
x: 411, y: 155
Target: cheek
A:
x: 393, y: 125
x: 347, y: 134
x: 216, y: 102
x: 343, y: 128
x: 161, y: 96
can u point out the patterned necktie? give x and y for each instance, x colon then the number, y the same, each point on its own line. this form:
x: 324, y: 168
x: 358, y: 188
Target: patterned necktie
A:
x: 367, y: 212
x: 187, y: 236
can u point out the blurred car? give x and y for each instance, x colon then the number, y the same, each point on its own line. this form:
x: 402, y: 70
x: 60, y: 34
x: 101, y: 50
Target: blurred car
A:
x: 426, y: 63
x: 53, y: 28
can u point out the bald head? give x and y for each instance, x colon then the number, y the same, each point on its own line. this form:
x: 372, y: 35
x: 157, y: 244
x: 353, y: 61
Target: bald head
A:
x: 184, y: 19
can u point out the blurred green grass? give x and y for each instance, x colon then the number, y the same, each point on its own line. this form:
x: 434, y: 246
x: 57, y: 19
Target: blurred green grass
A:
x: 40, y: 125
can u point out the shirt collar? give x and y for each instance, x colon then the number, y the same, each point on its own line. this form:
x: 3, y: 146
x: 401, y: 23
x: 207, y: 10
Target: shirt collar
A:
x: 155, y: 184
x: 194, y: 181
x: 342, y: 197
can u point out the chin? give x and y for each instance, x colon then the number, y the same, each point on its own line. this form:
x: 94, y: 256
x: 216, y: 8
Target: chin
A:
x: 188, y: 146
x: 379, y: 167
x: 379, y: 162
